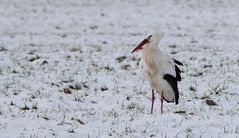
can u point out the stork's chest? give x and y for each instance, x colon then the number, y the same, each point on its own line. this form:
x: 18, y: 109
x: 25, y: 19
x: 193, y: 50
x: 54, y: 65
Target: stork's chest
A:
x: 150, y: 69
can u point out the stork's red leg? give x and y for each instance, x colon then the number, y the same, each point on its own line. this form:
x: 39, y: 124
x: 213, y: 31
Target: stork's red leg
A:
x: 152, y: 105
x: 161, y: 99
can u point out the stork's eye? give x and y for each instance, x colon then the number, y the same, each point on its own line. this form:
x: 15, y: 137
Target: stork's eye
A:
x: 149, y: 36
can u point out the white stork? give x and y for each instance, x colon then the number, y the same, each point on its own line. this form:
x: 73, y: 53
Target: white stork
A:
x: 160, y: 70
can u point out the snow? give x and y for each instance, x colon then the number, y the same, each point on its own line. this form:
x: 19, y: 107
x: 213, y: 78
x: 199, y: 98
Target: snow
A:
x: 49, y: 45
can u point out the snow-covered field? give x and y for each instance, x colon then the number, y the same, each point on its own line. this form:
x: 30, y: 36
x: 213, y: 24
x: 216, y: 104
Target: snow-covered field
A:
x: 66, y: 68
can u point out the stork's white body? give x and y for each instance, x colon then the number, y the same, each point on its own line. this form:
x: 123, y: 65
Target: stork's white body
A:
x: 159, y: 70
x: 155, y: 65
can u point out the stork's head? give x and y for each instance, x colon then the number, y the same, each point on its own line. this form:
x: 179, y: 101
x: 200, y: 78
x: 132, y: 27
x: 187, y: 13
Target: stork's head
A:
x: 150, y: 40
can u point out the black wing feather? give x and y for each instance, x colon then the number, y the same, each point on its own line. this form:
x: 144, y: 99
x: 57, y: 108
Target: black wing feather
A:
x: 174, y: 84
x: 178, y: 62
x: 178, y: 71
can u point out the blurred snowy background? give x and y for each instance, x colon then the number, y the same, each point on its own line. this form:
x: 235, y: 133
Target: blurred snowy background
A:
x: 66, y: 68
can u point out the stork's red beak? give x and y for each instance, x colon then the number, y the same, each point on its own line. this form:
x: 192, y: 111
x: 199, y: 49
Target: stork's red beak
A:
x: 140, y: 45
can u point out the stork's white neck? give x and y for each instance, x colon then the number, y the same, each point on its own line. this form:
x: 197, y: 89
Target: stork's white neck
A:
x: 150, y: 47
x: 150, y: 52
